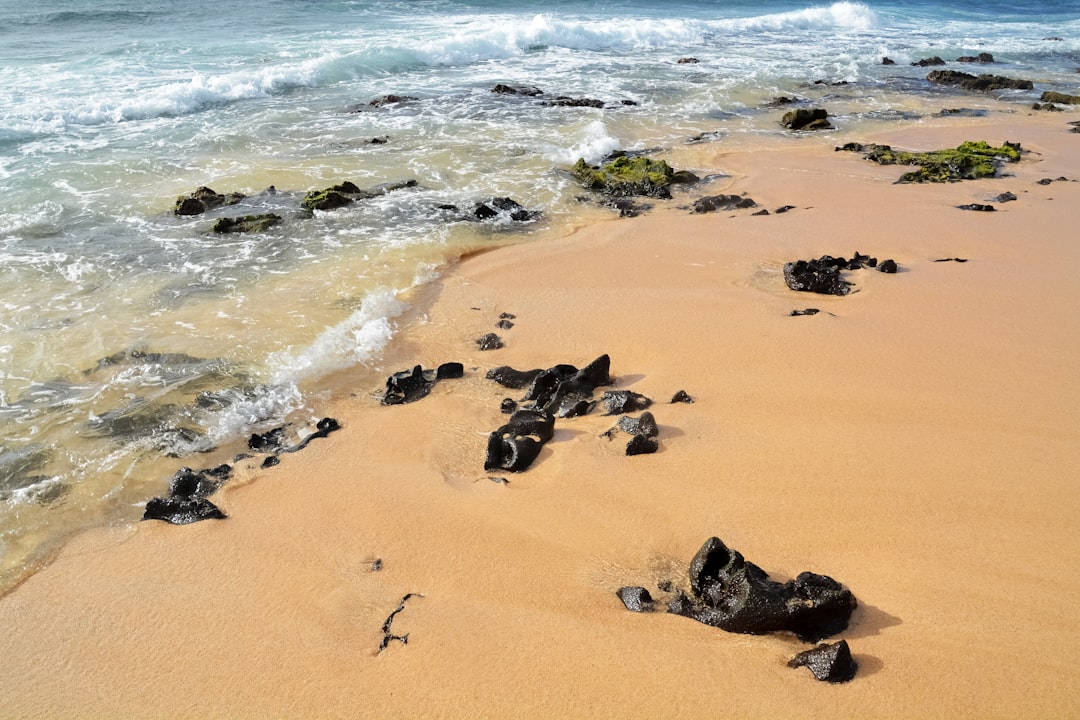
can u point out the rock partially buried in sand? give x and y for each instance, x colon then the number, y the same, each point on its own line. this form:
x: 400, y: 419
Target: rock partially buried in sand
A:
x: 489, y: 341
x: 562, y: 390
x: 643, y: 431
x: 681, y: 397
x: 713, y: 203
x: 636, y: 599
x: 735, y: 595
x: 829, y: 662
x: 823, y: 274
x: 515, y: 445
x: 412, y: 385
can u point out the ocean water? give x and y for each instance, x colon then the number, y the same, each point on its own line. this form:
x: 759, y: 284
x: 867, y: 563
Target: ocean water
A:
x: 133, y: 340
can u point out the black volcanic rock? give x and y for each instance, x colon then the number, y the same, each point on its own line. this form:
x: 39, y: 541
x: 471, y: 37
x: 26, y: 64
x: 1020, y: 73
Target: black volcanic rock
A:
x: 515, y: 445
x: 411, y: 385
x: 829, y: 662
x: 636, y: 599
x: 733, y: 594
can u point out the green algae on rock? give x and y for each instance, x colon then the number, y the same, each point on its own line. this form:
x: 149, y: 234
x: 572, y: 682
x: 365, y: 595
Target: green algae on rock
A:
x: 1061, y: 98
x: 967, y: 161
x: 625, y: 176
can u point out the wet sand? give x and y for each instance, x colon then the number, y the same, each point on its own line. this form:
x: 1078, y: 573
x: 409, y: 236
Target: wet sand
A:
x: 916, y: 440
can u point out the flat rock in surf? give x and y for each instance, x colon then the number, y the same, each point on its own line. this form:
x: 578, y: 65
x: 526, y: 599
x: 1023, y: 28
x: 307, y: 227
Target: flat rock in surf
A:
x: 978, y: 83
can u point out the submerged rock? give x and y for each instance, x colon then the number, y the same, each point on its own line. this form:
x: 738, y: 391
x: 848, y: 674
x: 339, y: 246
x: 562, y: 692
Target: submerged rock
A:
x: 204, y: 199
x: 978, y: 83
x: 246, y: 223
x: 983, y: 57
x: 503, y: 207
x: 829, y: 662
x: 806, y: 119
x: 412, y: 385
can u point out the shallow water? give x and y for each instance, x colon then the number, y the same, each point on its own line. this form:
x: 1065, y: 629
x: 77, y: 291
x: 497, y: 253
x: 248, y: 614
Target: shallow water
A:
x: 131, y: 339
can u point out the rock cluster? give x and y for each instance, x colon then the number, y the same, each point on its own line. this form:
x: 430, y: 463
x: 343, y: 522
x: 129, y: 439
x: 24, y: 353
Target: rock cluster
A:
x: 823, y: 275
x: 728, y: 592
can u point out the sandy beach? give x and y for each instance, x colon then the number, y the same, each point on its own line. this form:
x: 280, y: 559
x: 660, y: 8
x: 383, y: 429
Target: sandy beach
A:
x: 916, y: 440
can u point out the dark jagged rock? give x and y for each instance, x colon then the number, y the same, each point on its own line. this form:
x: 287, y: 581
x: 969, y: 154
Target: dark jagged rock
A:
x: 503, y: 207
x: 526, y: 90
x: 1047, y: 181
x: 1005, y: 197
x: 806, y: 119
x: 565, y: 101
x: 625, y: 176
x: 681, y: 397
x: 270, y: 441
x: 411, y: 385
x: 511, y: 378
x: 490, y: 341
x: 507, y: 316
x: 781, y: 100
x: 643, y: 425
x: 273, y: 441
x: 182, y: 511
x: 204, y: 199
x: 829, y: 662
x: 952, y: 259
x: 735, y: 595
x: 188, y: 483
x: 983, y: 57
x: 642, y: 445
x: 962, y: 112
x: 1047, y: 107
x: 929, y: 62
x: 887, y: 61
x: 978, y: 83
x: 784, y: 208
x: 270, y: 461
x: 818, y: 276
x: 246, y: 223
x: 978, y: 207
x: 1060, y: 98
x: 508, y: 406
x: 186, y: 502
x: 713, y: 203
x: 346, y: 193
x: 390, y: 99
x: 688, y: 61
x: 887, y: 266
x: 617, y: 402
x: 761, y: 212
x: 515, y: 445
x: 968, y: 161
x: 636, y: 599
x: 807, y: 311
x: 504, y: 324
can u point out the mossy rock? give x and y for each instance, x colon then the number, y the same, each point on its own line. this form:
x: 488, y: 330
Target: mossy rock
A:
x: 1061, y: 98
x: 246, y: 223
x: 204, y: 199
x: 625, y: 176
x: 968, y: 161
x: 330, y: 198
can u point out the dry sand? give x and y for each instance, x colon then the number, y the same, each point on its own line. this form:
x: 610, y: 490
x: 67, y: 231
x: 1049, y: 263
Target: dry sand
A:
x: 916, y: 440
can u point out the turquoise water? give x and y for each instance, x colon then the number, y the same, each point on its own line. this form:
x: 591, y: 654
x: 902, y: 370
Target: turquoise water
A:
x: 132, y: 339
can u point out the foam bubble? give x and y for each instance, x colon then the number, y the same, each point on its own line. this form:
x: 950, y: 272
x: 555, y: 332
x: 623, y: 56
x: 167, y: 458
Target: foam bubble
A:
x: 594, y: 143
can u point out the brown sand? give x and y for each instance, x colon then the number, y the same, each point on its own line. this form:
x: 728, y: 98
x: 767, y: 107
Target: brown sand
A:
x: 917, y: 440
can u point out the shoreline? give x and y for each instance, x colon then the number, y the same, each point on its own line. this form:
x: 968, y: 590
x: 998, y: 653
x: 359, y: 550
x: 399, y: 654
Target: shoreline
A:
x: 913, y: 440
